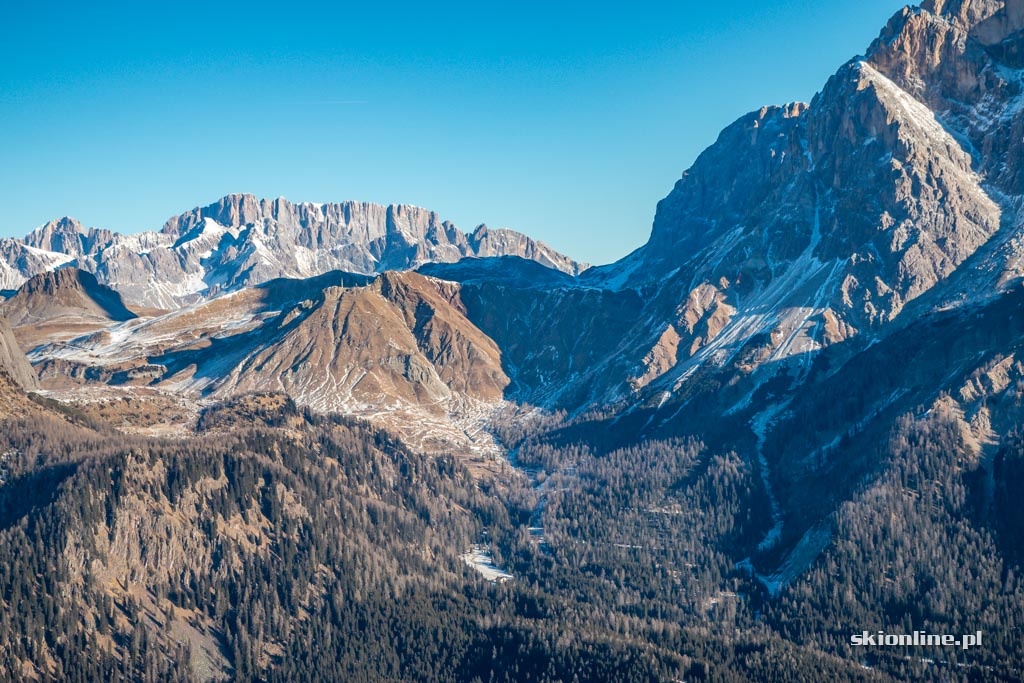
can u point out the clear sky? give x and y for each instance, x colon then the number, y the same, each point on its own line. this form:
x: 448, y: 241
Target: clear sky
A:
x: 565, y: 121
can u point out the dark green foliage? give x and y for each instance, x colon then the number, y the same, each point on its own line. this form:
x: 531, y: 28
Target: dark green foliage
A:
x: 314, y: 548
x: 355, y: 572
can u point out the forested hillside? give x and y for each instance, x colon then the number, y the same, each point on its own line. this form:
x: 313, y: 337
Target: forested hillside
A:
x: 281, y: 545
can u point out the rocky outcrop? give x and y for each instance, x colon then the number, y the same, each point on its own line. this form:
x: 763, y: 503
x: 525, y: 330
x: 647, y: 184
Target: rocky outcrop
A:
x: 20, y: 261
x: 736, y: 188
x: 12, y: 360
x: 68, y: 236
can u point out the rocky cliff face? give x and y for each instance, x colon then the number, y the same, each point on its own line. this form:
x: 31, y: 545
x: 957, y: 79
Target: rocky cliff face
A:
x: 242, y: 241
x: 867, y: 181
x: 899, y: 186
x: 963, y: 61
x: 12, y: 360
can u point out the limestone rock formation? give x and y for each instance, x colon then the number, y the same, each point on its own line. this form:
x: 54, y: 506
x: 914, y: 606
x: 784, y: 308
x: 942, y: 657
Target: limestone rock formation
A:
x: 240, y: 241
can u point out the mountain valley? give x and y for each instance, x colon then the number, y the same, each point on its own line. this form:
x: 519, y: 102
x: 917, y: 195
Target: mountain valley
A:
x: 260, y: 443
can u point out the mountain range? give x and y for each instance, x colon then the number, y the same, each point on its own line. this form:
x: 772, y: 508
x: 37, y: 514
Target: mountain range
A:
x: 243, y: 241
x: 889, y: 198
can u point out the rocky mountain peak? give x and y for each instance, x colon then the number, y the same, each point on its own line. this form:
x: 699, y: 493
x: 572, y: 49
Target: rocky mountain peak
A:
x: 990, y: 21
x: 232, y: 209
x: 66, y: 236
x: 812, y: 224
x: 62, y: 225
x: 949, y: 53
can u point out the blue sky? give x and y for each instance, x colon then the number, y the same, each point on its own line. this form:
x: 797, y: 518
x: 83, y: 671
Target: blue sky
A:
x: 568, y: 123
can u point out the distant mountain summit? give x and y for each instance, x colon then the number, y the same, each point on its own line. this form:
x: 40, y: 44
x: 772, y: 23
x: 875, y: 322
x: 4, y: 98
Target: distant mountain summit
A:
x: 241, y: 241
x: 69, y: 237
